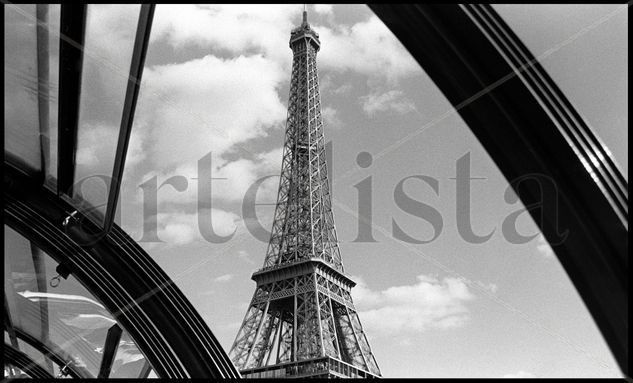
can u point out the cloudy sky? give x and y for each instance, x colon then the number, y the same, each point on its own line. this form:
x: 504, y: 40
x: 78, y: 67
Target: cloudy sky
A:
x: 217, y: 80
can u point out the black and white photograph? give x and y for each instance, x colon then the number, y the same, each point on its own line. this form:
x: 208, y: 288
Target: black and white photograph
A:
x: 268, y: 191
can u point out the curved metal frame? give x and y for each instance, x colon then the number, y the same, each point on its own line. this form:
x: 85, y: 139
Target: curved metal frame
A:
x: 60, y: 357
x: 114, y: 268
x: 22, y: 361
x: 528, y: 126
x: 142, y: 298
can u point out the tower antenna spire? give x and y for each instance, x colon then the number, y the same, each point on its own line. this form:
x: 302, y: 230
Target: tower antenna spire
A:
x: 305, y: 13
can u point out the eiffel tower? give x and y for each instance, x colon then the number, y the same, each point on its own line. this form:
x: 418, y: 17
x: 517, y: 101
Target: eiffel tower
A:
x: 301, y: 321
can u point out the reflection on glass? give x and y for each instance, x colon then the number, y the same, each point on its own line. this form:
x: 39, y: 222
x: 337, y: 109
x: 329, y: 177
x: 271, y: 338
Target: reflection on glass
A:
x: 21, y: 135
x: 128, y: 361
x: 42, y: 360
x: 31, y: 69
x: 12, y: 372
x: 65, y: 318
x: 109, y: 42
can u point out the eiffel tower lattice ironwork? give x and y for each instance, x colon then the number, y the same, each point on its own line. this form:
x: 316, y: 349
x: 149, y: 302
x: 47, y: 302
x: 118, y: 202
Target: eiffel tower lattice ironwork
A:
x: 301, y: 320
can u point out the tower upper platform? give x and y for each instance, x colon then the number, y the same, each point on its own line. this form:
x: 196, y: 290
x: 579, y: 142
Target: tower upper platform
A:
x: 304, y: 32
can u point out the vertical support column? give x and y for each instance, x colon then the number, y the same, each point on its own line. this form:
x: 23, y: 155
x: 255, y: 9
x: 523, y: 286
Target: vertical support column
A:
x: 338, y: 345
x: 259, y: 329
x: 279, y: 336
x: 318, y: 310
x: 294, y: 326
x: 351, y: 324
x: 40, y: 277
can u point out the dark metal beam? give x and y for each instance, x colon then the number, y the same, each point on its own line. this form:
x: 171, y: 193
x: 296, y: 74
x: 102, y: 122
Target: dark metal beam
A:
x: 73, y: 25
x: 60, y: 357
x: 131, y: 95
x: 43, y: 86
x: 22, y: 361
x: 8, y: 323
x: 528, y: 127
x: 39, y: 266
x: 145, y: 370
x: 109, y: 350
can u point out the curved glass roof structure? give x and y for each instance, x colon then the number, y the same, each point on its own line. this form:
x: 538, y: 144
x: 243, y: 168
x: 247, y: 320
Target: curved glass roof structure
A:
x: 82, y: 299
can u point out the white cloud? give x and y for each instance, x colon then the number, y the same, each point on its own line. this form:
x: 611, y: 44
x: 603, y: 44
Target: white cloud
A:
x: 224, y: 278
x: 393, y: 100
x: 216, y: 104
x: 330, y: 118
x: 490, y: 287
x: 176, y: 233
x: 242, y: 254
x: 271, y: 160
x: 323, y: 8
x: 178, y: 228
x: 86, y: 156
x: 231, y: 180
x: 519, y: 374
x: 235, y: 27
x: 428, y: 304
x: 544, y: 248
x: 97, y: 144
x: 366, y: 47
x: 109, y: 44
x: 222, y: 103
x: 345, y: 88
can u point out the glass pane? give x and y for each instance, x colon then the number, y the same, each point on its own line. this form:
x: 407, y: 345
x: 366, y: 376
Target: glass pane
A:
x: 212, y: 111
x: 12, y: 372
x: 60, y: 313
x: 31, y: 70
x: 128, y: 360
x: 109, y: 42
x: 39, y: 358
x: 584, y: 47
x: 21, y: 134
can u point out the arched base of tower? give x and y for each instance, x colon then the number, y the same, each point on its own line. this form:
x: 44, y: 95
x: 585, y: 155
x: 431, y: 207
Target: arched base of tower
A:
x: 325, y: 367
